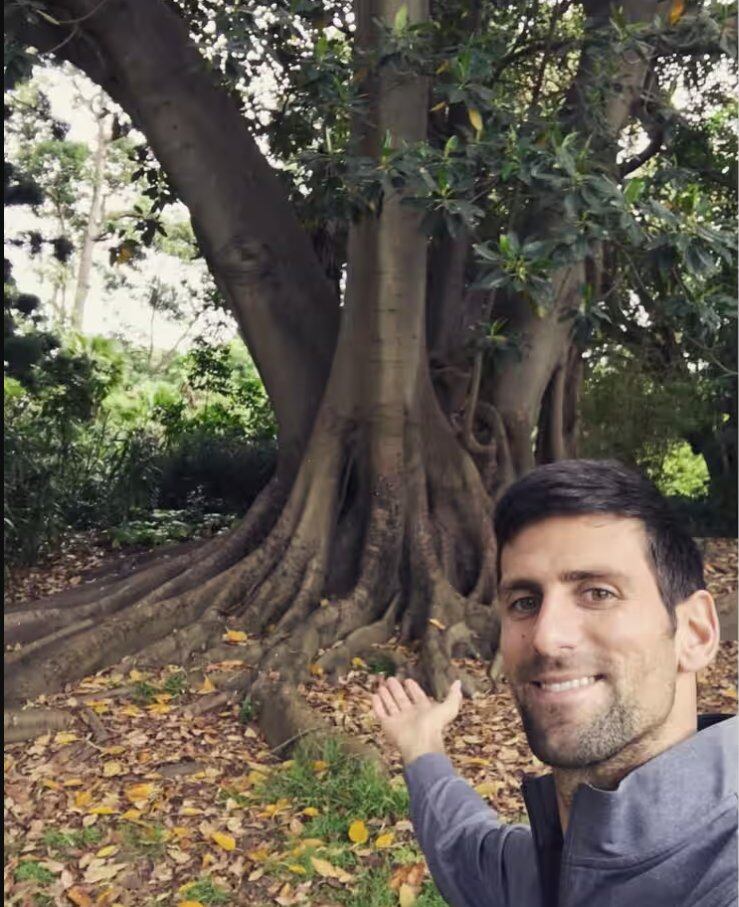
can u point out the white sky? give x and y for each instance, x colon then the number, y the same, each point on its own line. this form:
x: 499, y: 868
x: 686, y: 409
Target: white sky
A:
x: 109, y: 312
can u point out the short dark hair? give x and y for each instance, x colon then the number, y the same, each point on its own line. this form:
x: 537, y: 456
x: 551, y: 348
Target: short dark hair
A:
x: 571, y: 487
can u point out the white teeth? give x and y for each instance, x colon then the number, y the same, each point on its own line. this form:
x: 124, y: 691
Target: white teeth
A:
x: 568, y: 684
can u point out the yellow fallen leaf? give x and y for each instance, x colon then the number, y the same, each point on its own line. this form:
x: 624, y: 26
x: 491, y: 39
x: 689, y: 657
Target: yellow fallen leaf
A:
x: 136, y: 676
x: 358, y: 832
x: 489, y: 788
x: 358, y: 662
x: 316, y: 669
x: 319, y: 765
x: 223, y: 840
x: 329, y: 871
x: 384, y: 840
x: 235, y: 636
x: 73, y: 782
x: 475, y: 119
x: 310, y: 811
x: 64, y: 737
x: 208, y: 685
x: 131, y: 814
x: 437, y: 623
x: 296, y: 868
x: 190, y: 811
x: 132, y: 711
x: 114, y: 750
x: 52, y: 785
x: 111, y: 769
x: 677, y: 8
x: 189, y: 904
x: 107, y: 851
x: 139, y: 792
x: 259, y: 855
x: 407, y: 895
x: 79, y: 896
x: 158, y: 708
x: 102, y: 811
x: 82, y: 798
x: 181, y: 831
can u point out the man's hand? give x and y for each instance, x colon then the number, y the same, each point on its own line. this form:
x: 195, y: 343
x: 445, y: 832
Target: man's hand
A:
x: 412, y: 721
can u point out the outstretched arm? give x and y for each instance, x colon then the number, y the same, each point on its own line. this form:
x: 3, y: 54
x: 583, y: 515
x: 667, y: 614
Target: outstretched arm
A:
x: 474, y: 859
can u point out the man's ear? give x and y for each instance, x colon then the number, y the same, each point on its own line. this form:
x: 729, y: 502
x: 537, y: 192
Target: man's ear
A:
x: 697, y: 635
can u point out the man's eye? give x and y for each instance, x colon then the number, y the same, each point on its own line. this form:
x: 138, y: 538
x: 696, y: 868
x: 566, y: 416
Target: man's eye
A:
x: 599, y: 595
x: 523, y: 605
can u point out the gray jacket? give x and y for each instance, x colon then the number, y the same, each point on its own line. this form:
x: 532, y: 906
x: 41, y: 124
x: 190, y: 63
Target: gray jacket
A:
x: 666, y: 837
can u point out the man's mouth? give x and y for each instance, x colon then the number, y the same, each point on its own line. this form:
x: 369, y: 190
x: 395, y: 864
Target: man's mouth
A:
x: 551, y: 686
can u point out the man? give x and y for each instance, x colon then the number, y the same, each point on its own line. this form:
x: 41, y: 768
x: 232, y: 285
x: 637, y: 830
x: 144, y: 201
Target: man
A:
x: 605, y: 623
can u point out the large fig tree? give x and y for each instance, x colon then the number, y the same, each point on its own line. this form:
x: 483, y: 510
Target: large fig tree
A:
x: 450, y: 194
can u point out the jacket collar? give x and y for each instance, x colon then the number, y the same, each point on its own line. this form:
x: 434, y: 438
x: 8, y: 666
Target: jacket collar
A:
x: 651, y: 807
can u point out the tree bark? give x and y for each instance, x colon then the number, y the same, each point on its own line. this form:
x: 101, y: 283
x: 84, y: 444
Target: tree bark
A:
x: 94, y: 217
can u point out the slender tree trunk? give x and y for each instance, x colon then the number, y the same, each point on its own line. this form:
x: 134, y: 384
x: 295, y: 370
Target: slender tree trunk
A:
x: 94, y: 218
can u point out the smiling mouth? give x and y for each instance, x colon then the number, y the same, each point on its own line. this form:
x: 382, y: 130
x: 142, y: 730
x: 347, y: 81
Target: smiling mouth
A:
x: 566, y: 686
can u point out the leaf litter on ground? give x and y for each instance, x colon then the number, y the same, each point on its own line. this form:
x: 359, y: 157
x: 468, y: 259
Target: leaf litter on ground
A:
x: 188, y: 811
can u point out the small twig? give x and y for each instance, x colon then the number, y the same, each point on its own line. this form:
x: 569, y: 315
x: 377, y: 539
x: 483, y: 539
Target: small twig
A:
x: 310, y: 730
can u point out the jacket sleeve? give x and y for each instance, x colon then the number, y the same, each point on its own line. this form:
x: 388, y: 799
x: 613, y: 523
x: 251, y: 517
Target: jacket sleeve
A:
x: 473, y: 857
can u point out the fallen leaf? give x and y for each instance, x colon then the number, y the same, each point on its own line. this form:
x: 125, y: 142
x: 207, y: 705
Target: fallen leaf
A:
x: 384, y: 840
x: 82, y: 798
x: 310, y: 811
x: 235, y: 636
x: 138, y: 792
x: 79, y: 896
x: 475, y: 119
x: 358, y: 832
x: 329, y: 871
x: 437, y: 623
x: 65, y: 737
x: 107, y: 851
x: 111, y: 769
x: 407, y: 895
x: 315, y: 669
x: 677, y: 8
x: 223, y: 840
x: 208, y: 685
x: 101, y: 811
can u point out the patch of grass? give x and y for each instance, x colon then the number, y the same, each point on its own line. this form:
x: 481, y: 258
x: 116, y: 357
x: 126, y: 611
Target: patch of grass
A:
x: 346, y: 788
x: 56, y: 839
x: 143, y: 692
x: 246, y: 712
x: 150, y: 839
x: 382, y: 664
x: 33, y: 871
x: 176, y: 684
x: 205, y: 891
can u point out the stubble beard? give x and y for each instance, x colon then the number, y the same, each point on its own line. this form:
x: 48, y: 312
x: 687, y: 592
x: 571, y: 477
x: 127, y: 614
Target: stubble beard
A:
x: 597, y: 739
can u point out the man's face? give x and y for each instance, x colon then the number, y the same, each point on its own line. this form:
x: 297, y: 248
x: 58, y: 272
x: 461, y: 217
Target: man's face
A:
x: 578, y: 601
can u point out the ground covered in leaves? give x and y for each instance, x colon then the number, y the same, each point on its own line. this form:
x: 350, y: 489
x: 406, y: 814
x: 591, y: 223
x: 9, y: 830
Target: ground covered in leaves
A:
x: 140, y: 804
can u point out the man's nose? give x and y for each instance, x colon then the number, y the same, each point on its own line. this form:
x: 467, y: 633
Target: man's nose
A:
x: 558, y: 625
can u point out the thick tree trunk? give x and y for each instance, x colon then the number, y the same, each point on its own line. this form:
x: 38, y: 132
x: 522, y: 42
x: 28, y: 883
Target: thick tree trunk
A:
x: 139, y: 51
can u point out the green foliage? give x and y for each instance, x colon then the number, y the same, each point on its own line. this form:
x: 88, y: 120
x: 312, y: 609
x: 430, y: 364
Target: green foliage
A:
x: 246, y: 710
x: 350, y: 788
x: 62, y: 841
x: 207, y: 892
x: 32, y: 871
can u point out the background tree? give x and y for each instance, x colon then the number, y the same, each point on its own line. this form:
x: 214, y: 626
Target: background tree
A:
x: 411, y: 278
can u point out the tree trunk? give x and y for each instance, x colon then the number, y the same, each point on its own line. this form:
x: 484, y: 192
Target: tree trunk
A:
x: 94, y: 218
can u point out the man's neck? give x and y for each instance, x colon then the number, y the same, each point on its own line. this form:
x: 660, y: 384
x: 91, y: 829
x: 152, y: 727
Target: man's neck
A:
x: 607, y: 775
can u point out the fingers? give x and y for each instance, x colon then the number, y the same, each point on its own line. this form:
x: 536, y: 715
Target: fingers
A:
x: 416, y: 694
x: 378, y: 708
x: 388, y: 701
x: 399, y: 694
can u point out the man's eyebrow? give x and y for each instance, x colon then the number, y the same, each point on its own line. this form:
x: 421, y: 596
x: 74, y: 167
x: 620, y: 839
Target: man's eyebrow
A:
x: 520, y: 584
x: 577, y: 576
x: 523, y: 584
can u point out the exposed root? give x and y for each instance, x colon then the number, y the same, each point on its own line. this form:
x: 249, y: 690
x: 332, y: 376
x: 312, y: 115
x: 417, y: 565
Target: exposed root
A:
x: 25, y: 724
x: 359, y: 642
